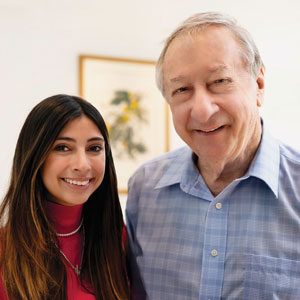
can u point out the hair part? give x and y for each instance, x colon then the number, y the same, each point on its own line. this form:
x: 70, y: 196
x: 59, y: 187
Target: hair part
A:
x: 200, y: 21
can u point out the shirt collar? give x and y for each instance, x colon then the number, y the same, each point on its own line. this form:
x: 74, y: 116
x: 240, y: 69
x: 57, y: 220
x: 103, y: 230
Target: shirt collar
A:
x: 264, y: 166
x: 179, y: 166
x: 266, y: 162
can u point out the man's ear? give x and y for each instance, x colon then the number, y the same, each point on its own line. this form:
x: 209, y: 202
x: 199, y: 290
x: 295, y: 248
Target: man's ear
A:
x: 260, y: 81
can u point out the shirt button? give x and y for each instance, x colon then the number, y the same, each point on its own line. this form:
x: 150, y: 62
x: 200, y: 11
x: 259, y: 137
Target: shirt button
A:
x: 214, y: 252
x: 218, y: 205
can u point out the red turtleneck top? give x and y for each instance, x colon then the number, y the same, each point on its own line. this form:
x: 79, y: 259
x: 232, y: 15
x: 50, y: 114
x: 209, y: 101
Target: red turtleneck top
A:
x: 66, y: 219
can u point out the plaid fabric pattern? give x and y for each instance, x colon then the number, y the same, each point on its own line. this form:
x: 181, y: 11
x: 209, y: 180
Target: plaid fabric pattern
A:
x: 242, y: 244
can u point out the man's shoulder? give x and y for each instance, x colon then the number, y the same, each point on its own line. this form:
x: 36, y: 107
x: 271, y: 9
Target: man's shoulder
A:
x: 166, y: 158
x: 166, y: 163
x: 289, y: 154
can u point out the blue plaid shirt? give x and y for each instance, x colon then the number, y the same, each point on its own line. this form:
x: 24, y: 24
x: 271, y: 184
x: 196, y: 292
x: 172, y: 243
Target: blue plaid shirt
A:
x: 242, y: 244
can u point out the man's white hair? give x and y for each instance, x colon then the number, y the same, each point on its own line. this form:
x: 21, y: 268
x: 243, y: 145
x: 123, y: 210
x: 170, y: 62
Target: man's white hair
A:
x: 193, y: 24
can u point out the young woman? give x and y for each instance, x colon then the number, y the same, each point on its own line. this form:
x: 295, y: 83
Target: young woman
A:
x: 62, y: 225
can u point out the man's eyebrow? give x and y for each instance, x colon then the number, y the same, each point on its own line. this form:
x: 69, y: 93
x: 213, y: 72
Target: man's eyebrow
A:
x: 177, y: 79
x: 65, y: 138
x: 217, y: 69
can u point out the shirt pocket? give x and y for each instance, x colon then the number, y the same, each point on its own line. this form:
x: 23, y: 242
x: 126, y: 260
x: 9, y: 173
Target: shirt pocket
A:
x: 270, y: 278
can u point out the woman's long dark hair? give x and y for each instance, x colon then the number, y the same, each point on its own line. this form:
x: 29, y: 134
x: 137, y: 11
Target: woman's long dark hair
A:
x: 31, y: 266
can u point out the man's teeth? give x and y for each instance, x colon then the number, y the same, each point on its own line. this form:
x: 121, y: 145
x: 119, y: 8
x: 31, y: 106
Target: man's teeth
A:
x: 211, y: 129
x: 76, y: 182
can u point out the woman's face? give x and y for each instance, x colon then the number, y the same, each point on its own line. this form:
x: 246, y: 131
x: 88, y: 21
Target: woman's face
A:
x: 75, y: 166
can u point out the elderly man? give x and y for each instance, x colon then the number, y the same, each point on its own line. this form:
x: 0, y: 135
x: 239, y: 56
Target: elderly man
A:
x: 219, y: 218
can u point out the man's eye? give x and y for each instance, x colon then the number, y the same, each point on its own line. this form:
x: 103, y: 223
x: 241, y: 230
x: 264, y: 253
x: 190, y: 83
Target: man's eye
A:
x: 222, y: 80
x: 61, y: 148
x: 181, y: 90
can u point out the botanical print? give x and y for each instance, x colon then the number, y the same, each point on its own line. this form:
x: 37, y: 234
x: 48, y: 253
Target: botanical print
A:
x: 135, y: 112
x: 126, y: 118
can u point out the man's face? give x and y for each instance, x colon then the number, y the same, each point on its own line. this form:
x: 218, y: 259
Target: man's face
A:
x: 213, y: 97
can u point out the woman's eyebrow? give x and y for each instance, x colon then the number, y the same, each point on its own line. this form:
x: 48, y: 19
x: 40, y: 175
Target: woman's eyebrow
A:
x: 64, y: 138
x: 98, y: 138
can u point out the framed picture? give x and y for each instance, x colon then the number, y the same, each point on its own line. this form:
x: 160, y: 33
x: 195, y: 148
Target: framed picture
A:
x: 136, y: 115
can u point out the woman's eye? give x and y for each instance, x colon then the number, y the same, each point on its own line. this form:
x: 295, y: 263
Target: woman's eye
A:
x: 61, y: 148
x: 95, y: 148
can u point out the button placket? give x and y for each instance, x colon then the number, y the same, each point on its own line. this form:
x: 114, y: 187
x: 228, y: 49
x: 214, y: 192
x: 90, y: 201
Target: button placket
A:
x: 219, y: 205
x: 214, y: 248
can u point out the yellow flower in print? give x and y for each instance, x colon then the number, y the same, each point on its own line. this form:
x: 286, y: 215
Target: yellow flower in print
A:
x: 125, y: 118
x: 125, y: 124
x: 134, y: 105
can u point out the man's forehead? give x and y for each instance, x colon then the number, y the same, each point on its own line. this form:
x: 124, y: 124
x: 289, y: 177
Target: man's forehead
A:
x: 217, y: 64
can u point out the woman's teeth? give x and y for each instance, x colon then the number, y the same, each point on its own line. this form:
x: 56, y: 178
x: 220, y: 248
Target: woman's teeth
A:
x: 76, y: 182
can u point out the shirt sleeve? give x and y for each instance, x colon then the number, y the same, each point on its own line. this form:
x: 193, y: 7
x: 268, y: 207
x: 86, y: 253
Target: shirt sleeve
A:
x: 134, y: 187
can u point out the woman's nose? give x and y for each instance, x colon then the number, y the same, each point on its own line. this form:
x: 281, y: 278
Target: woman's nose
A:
x: 80, y: 161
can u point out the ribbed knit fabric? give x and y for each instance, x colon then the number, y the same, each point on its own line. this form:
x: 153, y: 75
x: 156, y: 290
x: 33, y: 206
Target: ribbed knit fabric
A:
x: 66, y: 219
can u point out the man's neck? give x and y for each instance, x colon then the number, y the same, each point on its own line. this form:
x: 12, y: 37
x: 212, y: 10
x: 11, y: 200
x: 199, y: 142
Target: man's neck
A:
x: 219, y: 174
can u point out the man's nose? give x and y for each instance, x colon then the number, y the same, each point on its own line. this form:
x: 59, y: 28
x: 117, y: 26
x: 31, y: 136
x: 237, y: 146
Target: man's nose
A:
x: 203, y: 107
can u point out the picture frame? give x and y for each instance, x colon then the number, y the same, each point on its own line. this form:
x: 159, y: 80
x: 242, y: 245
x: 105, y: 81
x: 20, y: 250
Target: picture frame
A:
x: 135, y: 112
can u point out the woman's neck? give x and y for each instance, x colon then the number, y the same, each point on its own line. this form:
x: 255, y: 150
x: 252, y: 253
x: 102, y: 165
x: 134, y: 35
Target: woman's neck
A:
x: 64, y: 219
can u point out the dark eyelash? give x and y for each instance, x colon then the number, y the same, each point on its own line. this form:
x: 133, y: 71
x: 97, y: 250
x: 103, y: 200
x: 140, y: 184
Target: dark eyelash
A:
x: 223, y: 80
x: 99, y: 148
x: 180, y: 90
x: 61, y: 148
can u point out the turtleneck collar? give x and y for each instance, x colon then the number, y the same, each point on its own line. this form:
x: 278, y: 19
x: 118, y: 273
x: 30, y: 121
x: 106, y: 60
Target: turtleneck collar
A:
x: 65, y: 219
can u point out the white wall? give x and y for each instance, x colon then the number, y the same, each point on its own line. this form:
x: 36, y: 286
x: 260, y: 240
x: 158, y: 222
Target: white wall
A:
x: 40, y: 41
